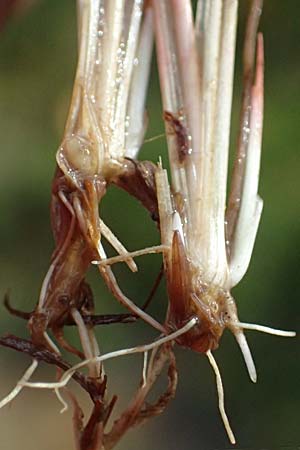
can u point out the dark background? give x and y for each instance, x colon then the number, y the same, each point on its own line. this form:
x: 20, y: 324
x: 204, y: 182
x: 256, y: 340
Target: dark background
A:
x: 37, y: 63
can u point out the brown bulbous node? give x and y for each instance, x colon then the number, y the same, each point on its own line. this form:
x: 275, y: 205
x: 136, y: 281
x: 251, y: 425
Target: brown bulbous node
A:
x: 190, y: 297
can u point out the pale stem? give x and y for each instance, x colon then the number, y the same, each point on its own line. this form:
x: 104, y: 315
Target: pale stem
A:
x: 167, y: 56
x: 127, y: 69
x: 170, y: 83
x: 188, y: 59
x: 209, y: 197
x: 138, y: 87
x: 89, y: 46
x: 110, y: 43
x: 220, y: 141
x: 250, y: 204
x: 164, y: 205
x: 88, y: 17
x: 223, y: 118
x: 233, y: 207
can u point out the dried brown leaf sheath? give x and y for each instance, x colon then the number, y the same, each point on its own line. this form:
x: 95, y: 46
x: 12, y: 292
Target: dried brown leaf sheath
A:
x: 64, y: 287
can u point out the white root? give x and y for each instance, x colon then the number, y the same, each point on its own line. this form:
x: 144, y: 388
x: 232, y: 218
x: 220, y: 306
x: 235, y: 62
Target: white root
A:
x: 96, y: 352
x: 115, y: 354
x: 243, y: 344
x: 117, y: 245
x: 87, y: 345
x: 17, y: 389
x: 265, y: 329
x: 220, y: 390
x: 51, y: 343
x: 65, y: 405
x: 126, y: 256
x: 111, y: 281
x: 237, y: 329
x: 145, y: 365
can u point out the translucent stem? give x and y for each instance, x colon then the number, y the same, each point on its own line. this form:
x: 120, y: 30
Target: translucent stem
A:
x: 244, y: 235
x: 138, y: 87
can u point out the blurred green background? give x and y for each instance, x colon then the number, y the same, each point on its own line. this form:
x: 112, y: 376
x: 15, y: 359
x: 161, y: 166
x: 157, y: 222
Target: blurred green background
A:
x: 37, y: 63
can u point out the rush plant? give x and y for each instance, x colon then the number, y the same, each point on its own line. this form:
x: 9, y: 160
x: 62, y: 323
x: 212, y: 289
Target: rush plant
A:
x: 206, y: 239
